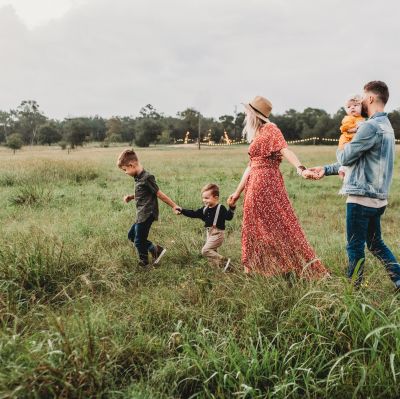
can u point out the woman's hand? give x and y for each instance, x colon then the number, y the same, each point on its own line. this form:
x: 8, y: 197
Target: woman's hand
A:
x: 233, y: 198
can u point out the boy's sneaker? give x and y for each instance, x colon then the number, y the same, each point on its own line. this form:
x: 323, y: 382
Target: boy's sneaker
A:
x: 227, y: 264
x: 157, y: 253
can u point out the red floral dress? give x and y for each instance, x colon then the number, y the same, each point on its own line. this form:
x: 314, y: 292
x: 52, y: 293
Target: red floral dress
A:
x: 273, y: 241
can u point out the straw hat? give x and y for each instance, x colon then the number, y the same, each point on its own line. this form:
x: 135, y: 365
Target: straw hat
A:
x: 261, y: 107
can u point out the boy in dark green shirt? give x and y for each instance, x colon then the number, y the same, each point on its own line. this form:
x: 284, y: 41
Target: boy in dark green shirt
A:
x: 146, y: 196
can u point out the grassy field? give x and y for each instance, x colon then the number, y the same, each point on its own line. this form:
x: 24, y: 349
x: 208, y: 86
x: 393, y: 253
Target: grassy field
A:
x: 80, y: 319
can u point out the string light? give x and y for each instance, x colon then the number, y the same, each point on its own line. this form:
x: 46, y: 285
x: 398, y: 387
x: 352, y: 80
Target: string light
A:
x: 212, y: 144
x: 315, y: 139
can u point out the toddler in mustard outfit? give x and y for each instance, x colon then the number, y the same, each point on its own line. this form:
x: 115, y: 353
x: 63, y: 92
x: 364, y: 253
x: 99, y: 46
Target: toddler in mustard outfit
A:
x: 350, y: 124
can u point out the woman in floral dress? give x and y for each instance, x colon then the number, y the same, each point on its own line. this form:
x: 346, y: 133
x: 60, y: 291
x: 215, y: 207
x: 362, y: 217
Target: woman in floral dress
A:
x: 273, y: 241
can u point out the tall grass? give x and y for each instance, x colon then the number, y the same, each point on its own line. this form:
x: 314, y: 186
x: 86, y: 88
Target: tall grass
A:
x: 48, y: 171
x: 79, y: 318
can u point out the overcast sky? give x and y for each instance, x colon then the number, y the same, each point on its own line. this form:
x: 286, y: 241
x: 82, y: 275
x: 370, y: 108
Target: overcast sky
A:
x: 111, y: 57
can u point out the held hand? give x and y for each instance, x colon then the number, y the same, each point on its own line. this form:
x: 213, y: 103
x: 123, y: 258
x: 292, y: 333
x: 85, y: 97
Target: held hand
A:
x: 319, y: 172
x: 128, y: 198
x: 309, y: 174
x: 233, y: 198
x: 177, y: 210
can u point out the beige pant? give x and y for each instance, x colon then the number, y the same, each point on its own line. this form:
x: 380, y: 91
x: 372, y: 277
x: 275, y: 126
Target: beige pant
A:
x: 215, y: 238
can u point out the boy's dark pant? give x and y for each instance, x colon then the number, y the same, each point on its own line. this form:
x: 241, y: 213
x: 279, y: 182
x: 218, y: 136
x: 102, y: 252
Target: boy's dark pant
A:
x: 364, y: 226
x: 138, y: 234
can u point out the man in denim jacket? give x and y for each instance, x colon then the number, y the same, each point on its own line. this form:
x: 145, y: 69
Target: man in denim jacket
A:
x: 369, y: 158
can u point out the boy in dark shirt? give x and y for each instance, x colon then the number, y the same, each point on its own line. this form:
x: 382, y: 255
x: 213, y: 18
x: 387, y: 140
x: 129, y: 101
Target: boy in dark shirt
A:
x: 214, y: 215
x: 146, y: 194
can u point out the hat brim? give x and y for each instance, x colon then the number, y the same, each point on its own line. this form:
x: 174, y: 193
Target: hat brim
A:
x: 251, y: 109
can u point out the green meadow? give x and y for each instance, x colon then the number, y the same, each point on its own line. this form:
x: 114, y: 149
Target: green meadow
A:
x: 80, y: 319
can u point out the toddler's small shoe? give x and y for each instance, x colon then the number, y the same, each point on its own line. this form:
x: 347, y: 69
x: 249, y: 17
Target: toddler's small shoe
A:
x: 227, y: 264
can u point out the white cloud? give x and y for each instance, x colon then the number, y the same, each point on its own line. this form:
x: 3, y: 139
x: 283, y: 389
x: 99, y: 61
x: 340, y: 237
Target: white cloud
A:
x: 112, y: 57
x: 37, y: 12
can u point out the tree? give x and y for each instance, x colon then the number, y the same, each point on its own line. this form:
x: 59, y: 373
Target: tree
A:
x: 120, y: 129
x: 217, y: 131
x: 97, y: 128
x: 176, y: 128
x: 28, y: 119
x: 148, y: 126
x: 238, y: 125
x: 289, y: 123
x: 312, y: 122
x: 5, y: 125
x: 14, y: 141
x: 309, y: 118
x: 148, y: 111
x: 324, y: 127
x: 164, y: 137
x: 49, y: 133
x: 128, y: 128
x: 76, y: 131
x: 190, y: 121
x: 394, y: 118
x: 114, y: 130
x: 147, y: 131
x: 227, y: 122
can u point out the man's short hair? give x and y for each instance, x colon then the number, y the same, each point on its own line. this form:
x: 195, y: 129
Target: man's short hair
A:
x: 379, y: 88
x: 211, y: 187
x: 126, y: 157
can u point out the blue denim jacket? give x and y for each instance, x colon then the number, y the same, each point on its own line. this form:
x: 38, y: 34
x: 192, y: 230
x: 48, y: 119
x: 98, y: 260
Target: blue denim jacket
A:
x: 369, y: 157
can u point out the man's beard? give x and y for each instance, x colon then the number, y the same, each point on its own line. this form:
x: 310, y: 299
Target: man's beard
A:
x: 364, y: 111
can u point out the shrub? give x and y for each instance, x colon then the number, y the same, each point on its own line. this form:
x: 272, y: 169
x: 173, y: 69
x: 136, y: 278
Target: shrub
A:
x: 31, y: 195
x: 14, y: 141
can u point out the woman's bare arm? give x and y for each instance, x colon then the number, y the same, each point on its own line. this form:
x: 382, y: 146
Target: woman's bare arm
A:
x: 291, y: 157
x: 236, y: 195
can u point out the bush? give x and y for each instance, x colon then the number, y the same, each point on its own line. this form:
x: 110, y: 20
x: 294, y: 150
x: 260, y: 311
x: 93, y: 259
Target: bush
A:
x: 48, y: 134
x: 165, y: 137
x: 114, y: 138
x: 7, y: 180
x: 147, y: 131
x: 31, y: 195
x: 14, y: 141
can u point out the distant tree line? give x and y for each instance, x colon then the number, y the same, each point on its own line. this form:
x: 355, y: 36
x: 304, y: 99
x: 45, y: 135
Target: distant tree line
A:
x: 28, y: 125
